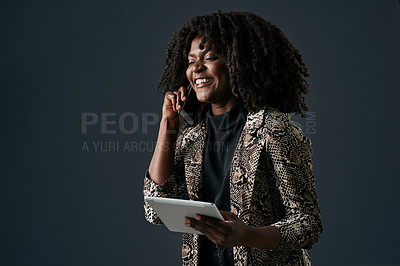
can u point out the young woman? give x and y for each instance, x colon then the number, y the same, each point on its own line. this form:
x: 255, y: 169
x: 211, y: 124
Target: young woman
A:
x: 245, y: 154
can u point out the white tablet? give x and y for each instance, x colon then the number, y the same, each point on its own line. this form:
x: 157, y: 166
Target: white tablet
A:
x: 173, y: 212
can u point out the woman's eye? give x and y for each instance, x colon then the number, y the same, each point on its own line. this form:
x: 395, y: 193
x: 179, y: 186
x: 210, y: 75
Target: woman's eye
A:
x: 190, y: 63
x: 212, y: 58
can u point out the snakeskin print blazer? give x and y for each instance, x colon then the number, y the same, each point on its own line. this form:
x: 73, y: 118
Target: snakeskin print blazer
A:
x: 271, y: 183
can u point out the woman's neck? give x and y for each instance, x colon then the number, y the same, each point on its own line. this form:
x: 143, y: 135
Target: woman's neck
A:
x: 220, y: 108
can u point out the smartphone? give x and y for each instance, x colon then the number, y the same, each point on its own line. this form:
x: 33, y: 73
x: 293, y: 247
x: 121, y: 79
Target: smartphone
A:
x: 190, y: 108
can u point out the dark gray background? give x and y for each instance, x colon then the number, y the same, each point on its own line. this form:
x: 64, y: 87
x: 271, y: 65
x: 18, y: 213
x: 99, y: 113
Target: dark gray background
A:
x: 64, y: 206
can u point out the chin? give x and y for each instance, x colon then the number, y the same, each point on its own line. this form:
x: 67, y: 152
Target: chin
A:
x: 202, y: 98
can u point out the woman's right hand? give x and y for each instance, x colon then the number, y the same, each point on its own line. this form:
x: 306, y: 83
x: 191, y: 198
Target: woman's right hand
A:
x: 162, y: 162
x: 173, y: 102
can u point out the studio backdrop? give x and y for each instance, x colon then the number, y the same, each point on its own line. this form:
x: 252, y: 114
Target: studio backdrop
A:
x: 80, y: 113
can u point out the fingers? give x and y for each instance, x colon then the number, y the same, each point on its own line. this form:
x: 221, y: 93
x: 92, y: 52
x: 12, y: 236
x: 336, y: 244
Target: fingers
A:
x: 207, y: 225
x: 177, y: 98
x: 205, y: 228
x: 229, y: 233
x: 228, y: 216
x: 183, y: 91
x: 208, y: 220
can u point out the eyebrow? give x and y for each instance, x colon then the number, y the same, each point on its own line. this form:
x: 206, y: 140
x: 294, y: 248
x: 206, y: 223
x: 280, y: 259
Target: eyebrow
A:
x: 201, y: 51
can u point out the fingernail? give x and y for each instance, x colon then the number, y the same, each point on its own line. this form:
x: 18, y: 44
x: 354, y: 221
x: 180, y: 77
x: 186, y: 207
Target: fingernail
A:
x: 179, y: 107
x: 197, y: 217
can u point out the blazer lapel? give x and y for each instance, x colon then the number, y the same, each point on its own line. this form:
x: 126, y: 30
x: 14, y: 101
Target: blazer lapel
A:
x: 194, y: 162
x: 245, y: 163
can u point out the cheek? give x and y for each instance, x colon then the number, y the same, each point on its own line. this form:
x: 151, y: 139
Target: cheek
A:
x: 189, y: 74
x: 225, y: 75
x: 220, y: 71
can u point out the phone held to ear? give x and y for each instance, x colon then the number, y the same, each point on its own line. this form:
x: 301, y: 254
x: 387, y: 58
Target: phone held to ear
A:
x: 191, y: 107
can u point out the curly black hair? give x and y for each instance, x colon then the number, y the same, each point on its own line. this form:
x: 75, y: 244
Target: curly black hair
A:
x: 264, y: 66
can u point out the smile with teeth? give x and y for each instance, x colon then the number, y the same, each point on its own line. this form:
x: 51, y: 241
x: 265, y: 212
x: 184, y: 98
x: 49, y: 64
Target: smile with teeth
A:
x: 203, y: 81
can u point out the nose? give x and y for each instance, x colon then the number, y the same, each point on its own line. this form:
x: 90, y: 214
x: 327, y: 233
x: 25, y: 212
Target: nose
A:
x: 198, y: 67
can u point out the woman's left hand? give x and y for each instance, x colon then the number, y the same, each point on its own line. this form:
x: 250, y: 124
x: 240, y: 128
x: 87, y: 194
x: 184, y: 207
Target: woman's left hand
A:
x: 229, y: 233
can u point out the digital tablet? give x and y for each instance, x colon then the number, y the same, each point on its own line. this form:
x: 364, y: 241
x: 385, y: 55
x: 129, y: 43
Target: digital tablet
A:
x: 173, y: 212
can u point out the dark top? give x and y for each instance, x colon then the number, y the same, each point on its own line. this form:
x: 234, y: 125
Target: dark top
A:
x: 222, y: 137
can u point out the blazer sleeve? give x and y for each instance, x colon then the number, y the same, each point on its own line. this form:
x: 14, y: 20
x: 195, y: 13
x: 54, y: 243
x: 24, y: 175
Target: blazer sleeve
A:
x: 291, y: 156
x: 173, y: 187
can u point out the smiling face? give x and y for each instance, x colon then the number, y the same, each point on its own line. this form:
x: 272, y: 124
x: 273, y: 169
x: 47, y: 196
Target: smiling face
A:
x: 208, y: 75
